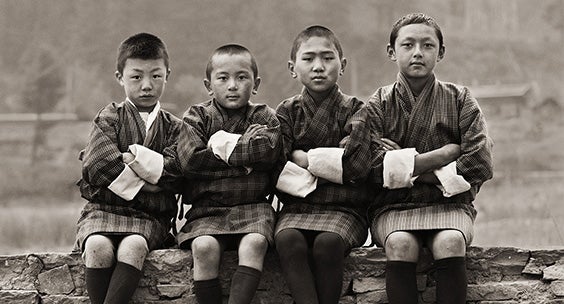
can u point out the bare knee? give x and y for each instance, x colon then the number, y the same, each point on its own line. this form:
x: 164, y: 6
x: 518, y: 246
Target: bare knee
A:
x: 133, y: 250
x: 252, y: 250
x: 448, y: 243
x: 206, y: 253
x: 402, y: 246
x: 98, y: 252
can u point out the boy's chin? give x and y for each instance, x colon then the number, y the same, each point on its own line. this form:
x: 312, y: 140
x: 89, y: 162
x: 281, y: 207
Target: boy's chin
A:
x: 144, y: 105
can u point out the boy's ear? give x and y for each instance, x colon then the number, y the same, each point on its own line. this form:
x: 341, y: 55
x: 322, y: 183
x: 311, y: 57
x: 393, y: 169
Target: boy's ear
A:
x: 256, y: 86
x: 391, y: 52
x: 167, y: 74
x: 291, y: 66
x: 207, y: 84
x: 119, y: 77
x: 343, y: 65
x: 441, y: 55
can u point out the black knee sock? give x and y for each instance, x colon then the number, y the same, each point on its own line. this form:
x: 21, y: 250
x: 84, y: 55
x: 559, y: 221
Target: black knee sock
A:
x: 294, y: 261
x: 208, y: 291
x: 244, y: 284
x: 97, y: 282
x: 328, y: 258
x: 401, y: 283
x: 123, y: 284
x: 451, y: 280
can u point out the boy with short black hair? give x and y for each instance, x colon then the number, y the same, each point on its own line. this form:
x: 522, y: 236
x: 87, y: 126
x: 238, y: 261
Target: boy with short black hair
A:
x: 129, y: 173
x: 432, y: 154
x: 322, y: 172
x: 227, y: 149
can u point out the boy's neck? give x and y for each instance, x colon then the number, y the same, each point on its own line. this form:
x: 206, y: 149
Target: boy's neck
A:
x: 233, y: 112
x: 416, y: 85
x: 319, y: 96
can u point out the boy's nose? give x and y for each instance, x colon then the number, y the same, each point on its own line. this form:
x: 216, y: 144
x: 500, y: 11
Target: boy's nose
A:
x: 232, y: 85
x: 417, y: 51
x: 318, y: 65
x: 146, y: 85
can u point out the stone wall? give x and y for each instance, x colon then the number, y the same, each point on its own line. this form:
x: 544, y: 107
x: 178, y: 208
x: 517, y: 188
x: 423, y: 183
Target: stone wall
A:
x: 496, y: 276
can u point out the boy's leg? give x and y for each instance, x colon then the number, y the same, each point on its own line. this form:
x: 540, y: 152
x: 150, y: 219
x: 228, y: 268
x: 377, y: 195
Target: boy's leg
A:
x: 246, y: 278
x: 206, y: 253
x: 449, y: 251
x: 402, y: 252
x: 328, y: 259
x: 131, y: 254
x: 99, y: 261
x: 292, y: 249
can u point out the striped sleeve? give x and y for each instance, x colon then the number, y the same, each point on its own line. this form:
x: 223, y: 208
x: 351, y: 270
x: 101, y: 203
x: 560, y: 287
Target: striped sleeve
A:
x: 197, y: 160
x: 102, y: 159
x: 475, y: 162
x: 262, y: 149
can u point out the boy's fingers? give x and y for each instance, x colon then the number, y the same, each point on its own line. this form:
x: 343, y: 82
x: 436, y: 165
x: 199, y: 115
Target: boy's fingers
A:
x: 390, y: 144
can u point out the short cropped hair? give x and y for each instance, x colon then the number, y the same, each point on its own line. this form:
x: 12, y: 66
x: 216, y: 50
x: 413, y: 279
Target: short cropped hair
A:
x: 231, y: 49
x: 415, y: 18
x: 141, y: 46
x: 315, y: 31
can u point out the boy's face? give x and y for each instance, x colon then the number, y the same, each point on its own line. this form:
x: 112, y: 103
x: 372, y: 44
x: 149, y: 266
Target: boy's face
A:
x: 232, y: 80
x: 317, y: 65
x: 143, y: 81
x: 416, y: 50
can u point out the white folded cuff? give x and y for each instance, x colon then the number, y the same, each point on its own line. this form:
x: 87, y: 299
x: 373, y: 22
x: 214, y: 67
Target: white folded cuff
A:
x: 127, y: 184
x: 296, y: 180
x: 148, y: 164
x: 398, y: 168
x: 222, y: 144
x: 451, y: 183
x: 326, y: 163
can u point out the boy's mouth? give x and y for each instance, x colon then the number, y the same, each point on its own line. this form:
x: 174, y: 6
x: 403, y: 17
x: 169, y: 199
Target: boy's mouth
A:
x: 232, y: 97
x: 318, y: 78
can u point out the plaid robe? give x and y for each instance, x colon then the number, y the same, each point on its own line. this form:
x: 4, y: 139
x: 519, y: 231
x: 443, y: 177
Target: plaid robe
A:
x: 307, y: 124
x: 227, y: 199
x: 114, y: 128
x: 443, y: 113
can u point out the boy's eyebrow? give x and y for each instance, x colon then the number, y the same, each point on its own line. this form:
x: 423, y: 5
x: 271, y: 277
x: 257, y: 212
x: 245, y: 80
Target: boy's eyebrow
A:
x: 141, y: 70
x: 322, y: 52
x: 237, y: 72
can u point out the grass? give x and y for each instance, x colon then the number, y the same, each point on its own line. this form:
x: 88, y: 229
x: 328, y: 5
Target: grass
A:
x: 38, y: 228
x: 525, y: 213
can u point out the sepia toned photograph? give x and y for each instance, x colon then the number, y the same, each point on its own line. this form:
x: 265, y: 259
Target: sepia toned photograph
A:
x: 298, y: 151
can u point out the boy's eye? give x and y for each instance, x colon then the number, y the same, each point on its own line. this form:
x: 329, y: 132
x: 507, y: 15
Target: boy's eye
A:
x: 222, y: 78
x: 407, y: 45
x: 328, y: 58
x: 136, y: 77
x: 307, y: 58
x: 158, y: 76
x: 428, y: 45
x: 243, y: 77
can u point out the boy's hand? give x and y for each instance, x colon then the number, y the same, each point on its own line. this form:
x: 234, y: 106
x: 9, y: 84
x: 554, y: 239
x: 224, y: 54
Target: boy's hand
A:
x: 151, y: 188
x: 299, y: 157
x: 388, y: 144
x: 344, y: 141
x: 451, y: 151
x: 127, y: 157
x: 254, y: 129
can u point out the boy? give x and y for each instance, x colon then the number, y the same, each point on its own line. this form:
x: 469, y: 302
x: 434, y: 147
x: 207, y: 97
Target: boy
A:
x: 128, y: 172
x: 227, y: 148
x: 322, y: 173
x: 432, y: 153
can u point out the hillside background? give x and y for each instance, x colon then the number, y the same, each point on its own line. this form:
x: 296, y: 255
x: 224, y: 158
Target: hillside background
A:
x: 59, y: 57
